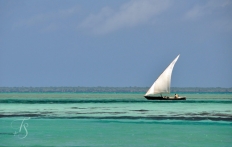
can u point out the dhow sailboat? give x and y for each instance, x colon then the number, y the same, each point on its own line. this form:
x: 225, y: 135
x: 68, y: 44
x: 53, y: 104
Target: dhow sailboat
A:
x: 162, y: 85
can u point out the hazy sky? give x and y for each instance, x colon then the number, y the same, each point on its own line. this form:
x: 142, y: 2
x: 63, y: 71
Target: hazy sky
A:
x: 115, y: 43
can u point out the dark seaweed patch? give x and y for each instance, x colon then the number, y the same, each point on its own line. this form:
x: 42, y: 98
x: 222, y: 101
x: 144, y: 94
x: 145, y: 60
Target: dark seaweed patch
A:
x: 141, y: 110
x: 46, y: 112
x: 6, y: 133
x: 150, y: 117
x: 96, y: 113
x: 147, y: 118
x: 20, y: 115
x: 209, y: 114
x: 222, y: 114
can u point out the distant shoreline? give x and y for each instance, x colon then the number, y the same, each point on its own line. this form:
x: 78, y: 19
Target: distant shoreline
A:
x: 109, y: 89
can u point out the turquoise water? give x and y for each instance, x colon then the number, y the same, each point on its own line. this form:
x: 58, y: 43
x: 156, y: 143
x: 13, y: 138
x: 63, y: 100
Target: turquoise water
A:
x: 109, y: 119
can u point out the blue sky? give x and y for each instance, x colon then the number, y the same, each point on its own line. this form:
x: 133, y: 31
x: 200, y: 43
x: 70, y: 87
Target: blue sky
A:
x: 115, y: 43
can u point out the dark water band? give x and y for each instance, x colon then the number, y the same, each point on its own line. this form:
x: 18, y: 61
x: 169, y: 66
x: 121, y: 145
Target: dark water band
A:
x: 39, y: 116
x: 49, y: 101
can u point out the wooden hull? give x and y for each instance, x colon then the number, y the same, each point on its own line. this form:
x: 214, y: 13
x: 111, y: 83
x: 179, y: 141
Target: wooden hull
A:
x: 163, y: 98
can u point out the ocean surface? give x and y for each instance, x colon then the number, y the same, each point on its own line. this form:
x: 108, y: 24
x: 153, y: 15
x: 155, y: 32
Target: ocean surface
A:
x: 115, y: 119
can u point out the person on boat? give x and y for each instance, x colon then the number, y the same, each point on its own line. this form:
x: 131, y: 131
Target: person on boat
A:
x: 176, y: 96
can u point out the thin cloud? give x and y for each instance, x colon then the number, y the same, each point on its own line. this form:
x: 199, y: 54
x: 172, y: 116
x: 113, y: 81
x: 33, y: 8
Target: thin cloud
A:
x: 208, y: 8
x: 217, y: 13
x: 47, y: 21
x: 130, y: 14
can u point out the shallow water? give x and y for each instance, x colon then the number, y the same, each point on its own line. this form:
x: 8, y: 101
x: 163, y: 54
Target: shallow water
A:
x: 109, y: 119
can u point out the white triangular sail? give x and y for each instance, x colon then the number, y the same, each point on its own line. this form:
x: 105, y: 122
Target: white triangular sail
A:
x: 162, y: 84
